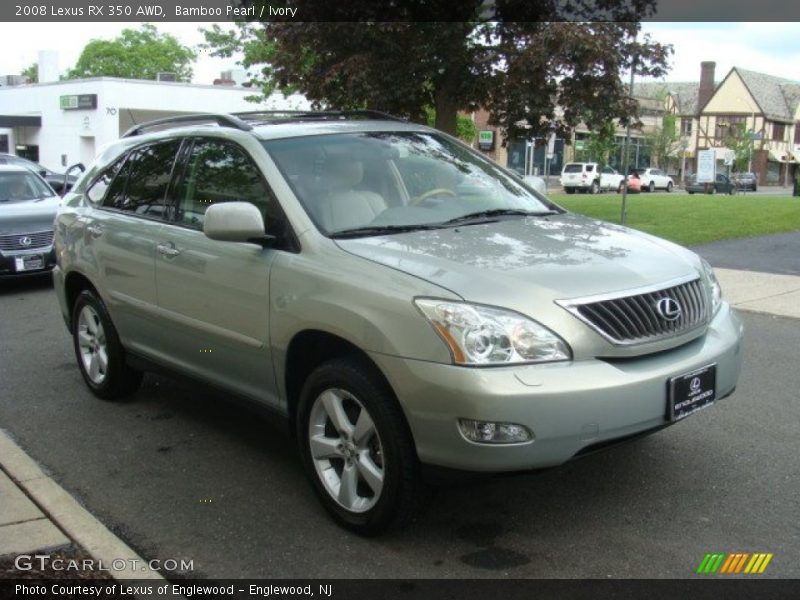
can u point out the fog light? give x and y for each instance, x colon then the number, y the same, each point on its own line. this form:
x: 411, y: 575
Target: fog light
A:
x: 490, y: 432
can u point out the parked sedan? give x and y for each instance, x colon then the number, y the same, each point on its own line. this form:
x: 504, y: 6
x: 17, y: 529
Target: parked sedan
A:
x: 54, y: 180
x: 745, y: 181
x: 27, y: 211
x: 655, y: 179
x: 722, y: 185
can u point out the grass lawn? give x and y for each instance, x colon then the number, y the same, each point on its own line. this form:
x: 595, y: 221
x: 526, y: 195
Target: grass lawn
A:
x: 696, y: 219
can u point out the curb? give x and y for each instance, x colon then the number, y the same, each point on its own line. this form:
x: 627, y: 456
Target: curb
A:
x: 66, y: 513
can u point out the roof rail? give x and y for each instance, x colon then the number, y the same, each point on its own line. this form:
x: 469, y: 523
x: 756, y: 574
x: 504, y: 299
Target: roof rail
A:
x: 322, y: 115
x: 220, y: 119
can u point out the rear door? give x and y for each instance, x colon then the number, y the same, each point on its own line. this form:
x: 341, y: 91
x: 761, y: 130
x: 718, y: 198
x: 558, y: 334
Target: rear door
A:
x: 215, y: 295
x: 120, y: 238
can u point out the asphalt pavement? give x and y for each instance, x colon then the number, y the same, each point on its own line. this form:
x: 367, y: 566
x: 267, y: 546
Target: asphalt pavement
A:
x: 779, y: 253
x: 182, y: 473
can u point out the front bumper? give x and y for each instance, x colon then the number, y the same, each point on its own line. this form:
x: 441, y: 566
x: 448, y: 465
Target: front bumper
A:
x: 568, y: 406
x: 8, y: 261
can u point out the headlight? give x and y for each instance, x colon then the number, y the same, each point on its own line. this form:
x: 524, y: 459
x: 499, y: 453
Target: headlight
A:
x: 716, y: 290
x: 481, y: 335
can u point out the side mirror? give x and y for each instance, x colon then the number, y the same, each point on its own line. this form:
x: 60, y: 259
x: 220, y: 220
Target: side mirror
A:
x: 234, y: 222
x: 43, y: 172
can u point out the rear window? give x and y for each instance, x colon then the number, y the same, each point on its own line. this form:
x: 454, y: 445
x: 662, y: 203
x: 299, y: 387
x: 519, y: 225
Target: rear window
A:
x: 573, y: 168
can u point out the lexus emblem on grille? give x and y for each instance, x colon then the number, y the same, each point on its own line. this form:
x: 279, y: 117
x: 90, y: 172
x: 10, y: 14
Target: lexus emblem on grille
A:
x: 668, y: 309
x: 25, y: 241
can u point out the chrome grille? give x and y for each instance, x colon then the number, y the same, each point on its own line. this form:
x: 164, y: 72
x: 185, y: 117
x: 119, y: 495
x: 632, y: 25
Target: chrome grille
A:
x: 635, y: 319
x: 39, y: 239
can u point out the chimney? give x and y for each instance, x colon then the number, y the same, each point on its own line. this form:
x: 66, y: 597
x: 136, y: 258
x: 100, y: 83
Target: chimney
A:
x: 706, y: 89
x: 48, y: 66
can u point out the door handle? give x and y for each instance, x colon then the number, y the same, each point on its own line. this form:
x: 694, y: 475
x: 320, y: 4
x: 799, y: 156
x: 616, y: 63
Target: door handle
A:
x: 167, y: 249
x: 95, y: 231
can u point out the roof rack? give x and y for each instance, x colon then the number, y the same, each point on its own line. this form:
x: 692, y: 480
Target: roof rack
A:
x: 222, y: 120
x: 313, y: 115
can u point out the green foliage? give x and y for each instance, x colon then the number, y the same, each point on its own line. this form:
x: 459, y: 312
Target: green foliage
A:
x: 32, y: 73
x: 664, y: 143
x: 696, y: 219
x: 135, y: 54
x: 599, y: 145
x: 738, y: 140
x: 466, y: 130
x: 520, y: 70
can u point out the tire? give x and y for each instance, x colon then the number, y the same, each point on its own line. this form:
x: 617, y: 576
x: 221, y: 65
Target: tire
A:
x: 569, y: 190
x: 93, y: 336
x: 731, y: 191
x: 755, y: 187
x: 691, y: 193
x: 652, y: 187
x: 383, y: 467
x: 713, y: 190
x: 669, y: 187
x: 595, y: 189
x: 621, y: 187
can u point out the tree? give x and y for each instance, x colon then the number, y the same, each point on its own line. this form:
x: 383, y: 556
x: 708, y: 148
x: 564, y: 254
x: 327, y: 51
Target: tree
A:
x: 599, y: 145
x: 533, y: 72
x: 32, y: 73
x: 466, y: 130
x: 664, y: 142
x: 741, y: 142
x: 135, y: 54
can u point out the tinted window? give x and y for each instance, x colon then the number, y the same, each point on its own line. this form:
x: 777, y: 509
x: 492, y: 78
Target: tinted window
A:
x: 98, y: 189
x: 219, y: 171
x: 589, y: 168
x: 143, y: 183
x: 573, y: 168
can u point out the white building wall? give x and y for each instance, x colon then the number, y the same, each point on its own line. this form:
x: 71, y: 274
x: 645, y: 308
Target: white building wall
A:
x: 70, y: 136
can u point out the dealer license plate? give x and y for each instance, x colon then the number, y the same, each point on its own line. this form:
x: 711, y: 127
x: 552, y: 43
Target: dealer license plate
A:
x: 690, y: 392
x: 28, y: 263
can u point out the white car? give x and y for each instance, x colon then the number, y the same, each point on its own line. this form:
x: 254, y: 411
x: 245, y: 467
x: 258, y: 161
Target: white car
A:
x: 589, y: 177
x: 655, y: 179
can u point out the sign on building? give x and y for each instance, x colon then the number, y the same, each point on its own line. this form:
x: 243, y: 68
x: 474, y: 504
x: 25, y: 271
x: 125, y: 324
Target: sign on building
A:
x: 78, y: 102
x: 486, y: 140
x: 706, y: 166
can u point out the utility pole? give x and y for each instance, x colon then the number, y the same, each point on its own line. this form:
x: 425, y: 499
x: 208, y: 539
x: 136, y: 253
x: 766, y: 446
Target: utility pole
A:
x: 626, y: 150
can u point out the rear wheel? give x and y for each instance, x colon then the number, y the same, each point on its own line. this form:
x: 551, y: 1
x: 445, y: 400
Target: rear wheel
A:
x: 595, y: 188
x: 569, y: 190
x: 101, y: 357
x: 669, y: 187
x: 356, y: 447
x: 621, y: 187
x: 651, y: 187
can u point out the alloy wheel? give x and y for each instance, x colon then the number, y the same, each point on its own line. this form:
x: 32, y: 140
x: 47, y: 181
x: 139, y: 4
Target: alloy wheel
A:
x: 346, y: 450
x: 92, y: 345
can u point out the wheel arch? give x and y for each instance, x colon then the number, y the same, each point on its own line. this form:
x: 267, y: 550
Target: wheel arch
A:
x: 74, y: 283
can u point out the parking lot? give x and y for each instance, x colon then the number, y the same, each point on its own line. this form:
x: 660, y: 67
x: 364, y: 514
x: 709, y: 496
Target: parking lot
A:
x: 179, y: 472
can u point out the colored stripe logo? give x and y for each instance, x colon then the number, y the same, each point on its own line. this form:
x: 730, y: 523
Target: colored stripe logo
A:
x: 734, y: 562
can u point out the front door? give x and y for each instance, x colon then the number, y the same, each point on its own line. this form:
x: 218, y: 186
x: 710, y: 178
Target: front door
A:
x: 215, y: 295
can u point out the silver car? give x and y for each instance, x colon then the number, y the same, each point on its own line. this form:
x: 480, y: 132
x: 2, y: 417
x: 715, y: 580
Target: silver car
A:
x: 398, y: 298
x: 28, y: 207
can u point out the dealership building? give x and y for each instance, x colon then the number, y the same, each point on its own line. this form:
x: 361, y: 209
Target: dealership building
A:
x: 59, y: 123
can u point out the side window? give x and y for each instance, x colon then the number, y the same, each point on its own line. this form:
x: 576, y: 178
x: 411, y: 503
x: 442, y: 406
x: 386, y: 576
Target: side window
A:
x: 589, y: 168
x: 97, y: 191
x: 219, y: 171
x: 142, y: 185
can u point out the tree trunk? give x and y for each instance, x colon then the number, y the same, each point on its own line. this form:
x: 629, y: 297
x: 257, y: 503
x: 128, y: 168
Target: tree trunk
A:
x: 446, y: 113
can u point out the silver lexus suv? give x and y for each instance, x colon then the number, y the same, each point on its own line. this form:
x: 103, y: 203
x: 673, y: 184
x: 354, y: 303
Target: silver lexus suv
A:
x: 398, y: 298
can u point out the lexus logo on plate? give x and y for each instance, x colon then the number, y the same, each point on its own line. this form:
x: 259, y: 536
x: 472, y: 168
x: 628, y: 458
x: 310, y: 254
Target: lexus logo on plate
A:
x: 25, y: 241
x: 669, y: 309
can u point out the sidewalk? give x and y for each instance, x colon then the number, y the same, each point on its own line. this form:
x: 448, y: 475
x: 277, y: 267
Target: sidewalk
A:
x: 37, y: 516
x: 767, y: 293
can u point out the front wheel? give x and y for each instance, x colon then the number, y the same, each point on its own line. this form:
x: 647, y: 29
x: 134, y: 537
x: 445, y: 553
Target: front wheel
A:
x: 595, y: 188
x: 569, y: 190
x: 652, y: 187
x: 101, y: 357
x: 621, y: 187
x: 356, y: 447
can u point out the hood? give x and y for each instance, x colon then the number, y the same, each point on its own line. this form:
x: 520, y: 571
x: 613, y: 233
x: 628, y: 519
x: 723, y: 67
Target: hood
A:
x: 512, y: 261
x: 28, y: 216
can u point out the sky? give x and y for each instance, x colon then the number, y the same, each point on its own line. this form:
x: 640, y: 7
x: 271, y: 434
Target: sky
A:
x: 772, y: 48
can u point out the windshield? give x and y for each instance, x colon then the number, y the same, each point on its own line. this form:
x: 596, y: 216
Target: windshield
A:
x: 397, y: 181
x: 20, y: 187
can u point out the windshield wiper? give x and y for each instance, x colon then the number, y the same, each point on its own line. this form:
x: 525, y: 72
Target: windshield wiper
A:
x: 481, y: 215
x: 380, y: 230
